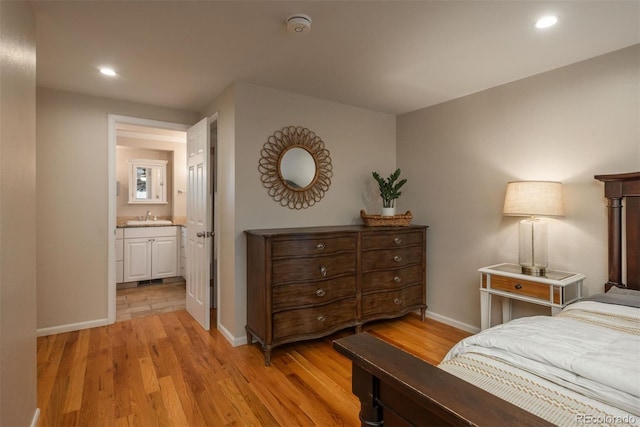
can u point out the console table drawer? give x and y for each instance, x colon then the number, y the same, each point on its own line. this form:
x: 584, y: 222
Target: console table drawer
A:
x: 392, y: 303
x: 525, y: 287
x: 391, y: 279
x: 315, y: 268
x: 391, y: 239
x: 315, y: 246
x: 314, y: 320
x: 391, y: 258
x: 302, y: 294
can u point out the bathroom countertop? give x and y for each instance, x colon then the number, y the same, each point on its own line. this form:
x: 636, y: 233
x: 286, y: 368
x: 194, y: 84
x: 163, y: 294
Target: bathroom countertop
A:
x: 122, y: 223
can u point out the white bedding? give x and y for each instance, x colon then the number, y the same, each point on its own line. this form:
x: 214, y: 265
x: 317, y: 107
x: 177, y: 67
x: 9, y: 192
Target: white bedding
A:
x: 590, y: 348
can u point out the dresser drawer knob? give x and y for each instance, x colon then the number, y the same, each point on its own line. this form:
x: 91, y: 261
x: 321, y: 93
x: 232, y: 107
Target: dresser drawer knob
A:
x: 397, y: 240
x: 323, y: 270
x: 321, y: 318
x: 397, y: 301
x: 320, y: 246
x: 397, y: 258
x: 518, y: 286
x: 397, y: 279
x: 320, y: 292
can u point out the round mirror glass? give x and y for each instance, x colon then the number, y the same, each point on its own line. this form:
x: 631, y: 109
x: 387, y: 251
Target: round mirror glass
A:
x: 298, y: 168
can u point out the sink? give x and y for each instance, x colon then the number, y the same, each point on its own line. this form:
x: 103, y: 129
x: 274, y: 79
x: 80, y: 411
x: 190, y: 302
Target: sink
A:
x: 150, y: 222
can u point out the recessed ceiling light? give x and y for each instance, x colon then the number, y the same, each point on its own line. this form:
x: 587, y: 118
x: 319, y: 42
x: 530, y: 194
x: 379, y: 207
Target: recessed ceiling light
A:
x: 108, y: 71
x: 546, y: 22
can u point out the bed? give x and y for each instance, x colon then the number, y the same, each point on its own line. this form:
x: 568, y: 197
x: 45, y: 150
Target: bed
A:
x: 579, y: 367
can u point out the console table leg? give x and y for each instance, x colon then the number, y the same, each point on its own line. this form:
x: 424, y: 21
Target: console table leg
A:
x: 485, y: 310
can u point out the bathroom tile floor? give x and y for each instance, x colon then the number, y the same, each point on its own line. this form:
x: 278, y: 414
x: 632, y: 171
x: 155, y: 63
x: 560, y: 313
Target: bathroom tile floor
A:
x: 146, y: 300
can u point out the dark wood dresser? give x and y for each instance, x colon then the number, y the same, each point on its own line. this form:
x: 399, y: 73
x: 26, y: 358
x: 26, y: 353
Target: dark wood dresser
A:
x: 305, y: 283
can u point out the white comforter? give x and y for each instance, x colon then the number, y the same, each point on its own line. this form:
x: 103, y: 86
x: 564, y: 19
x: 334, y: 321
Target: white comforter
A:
x: 591, y: 348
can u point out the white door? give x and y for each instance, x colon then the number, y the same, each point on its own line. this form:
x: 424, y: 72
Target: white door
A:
x: 199, y: 225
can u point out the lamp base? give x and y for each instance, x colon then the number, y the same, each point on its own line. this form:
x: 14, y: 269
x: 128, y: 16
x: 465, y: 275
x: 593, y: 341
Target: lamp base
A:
x: 533, y: 271
x: 533, y: 247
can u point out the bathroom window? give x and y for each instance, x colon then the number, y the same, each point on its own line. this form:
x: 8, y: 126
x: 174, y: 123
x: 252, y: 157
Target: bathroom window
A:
x: 147, y: 181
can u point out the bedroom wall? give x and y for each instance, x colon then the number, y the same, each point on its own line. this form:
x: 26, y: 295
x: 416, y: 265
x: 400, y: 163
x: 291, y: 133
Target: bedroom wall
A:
x: 72, y: 190
x: 18, y: 371
x: 359, y: 141
x: 567, y: 125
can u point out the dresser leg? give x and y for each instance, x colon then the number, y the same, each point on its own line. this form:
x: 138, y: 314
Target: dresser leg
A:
x: 267, y: 355
x: 423, y: 313
x: 249, y: 338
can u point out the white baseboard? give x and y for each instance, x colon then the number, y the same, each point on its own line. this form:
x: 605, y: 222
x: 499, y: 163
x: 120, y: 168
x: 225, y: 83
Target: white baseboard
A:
x: 36, y: 418
x: 451, y: 322
x: 71, y: 327
x: 235, y: 342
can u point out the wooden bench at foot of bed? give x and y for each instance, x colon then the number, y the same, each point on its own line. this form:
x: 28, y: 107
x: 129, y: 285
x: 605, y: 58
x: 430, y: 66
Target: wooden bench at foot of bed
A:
x: 396, y: 388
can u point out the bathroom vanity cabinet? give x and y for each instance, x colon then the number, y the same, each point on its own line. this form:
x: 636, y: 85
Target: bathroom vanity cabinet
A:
x: 150, y: 253
x: 119, y: 255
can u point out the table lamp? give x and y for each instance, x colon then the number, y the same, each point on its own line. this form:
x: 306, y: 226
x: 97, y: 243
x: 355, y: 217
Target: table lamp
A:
x: 533, y: 199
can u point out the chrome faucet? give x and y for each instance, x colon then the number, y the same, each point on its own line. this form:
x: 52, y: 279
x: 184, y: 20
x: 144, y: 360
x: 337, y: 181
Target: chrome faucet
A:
x: 148, y: 215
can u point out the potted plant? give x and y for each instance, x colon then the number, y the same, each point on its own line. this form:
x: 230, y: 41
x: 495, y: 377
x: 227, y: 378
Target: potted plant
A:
x: 389, y: 191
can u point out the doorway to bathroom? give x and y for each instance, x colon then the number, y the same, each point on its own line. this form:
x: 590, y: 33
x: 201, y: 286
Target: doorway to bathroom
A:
x: 150, y: 209
x: 164, y: 290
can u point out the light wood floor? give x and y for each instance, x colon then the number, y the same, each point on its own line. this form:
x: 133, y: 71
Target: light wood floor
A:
x: 164, y: 370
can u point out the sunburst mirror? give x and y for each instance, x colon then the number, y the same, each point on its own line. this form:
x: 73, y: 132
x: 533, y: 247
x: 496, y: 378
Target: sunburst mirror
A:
x: 296, y: 167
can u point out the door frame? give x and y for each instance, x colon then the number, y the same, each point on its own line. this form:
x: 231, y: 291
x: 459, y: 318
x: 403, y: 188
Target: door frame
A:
x: 113, y: 120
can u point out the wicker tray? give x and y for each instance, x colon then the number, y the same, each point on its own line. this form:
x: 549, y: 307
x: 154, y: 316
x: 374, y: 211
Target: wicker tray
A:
x: 386, y: 221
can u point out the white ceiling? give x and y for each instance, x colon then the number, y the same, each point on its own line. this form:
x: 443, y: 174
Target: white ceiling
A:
x: 390, y: 56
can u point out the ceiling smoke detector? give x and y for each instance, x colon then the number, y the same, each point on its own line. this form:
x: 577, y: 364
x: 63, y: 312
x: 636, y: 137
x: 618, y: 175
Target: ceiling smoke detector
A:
x: 299, y: 24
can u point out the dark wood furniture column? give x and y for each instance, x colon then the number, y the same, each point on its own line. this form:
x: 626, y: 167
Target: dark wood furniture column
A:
x: 617, y: 187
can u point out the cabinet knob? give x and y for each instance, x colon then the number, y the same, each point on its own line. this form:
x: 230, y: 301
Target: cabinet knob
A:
x: 321, y: 318
x: 397, y: 258
x: 323, y: 270
x: 518, y: 286
x: 397, y: 240
x: 320, y: 292
x: 397, y: 301
x: 397, y: 279
x: 320, y: 246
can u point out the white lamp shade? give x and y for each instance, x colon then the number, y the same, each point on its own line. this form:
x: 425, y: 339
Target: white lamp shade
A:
x: 534, y: 198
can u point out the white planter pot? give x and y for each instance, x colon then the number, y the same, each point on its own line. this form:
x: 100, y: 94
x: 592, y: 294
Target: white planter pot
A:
x: 388, y: 211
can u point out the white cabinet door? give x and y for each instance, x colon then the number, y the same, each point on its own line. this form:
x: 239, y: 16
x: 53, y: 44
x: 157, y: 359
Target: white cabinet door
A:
x: 137, y: 259
x: 163, y: 257
x: 119, y: 260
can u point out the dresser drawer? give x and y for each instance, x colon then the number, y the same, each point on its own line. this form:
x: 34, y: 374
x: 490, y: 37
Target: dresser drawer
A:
x: 525, y: 287
x: 315, y: 246
x: 392, y: 303
x: 303, y: 294
x: 391, y: 239
x: 391, y: 258
x: 315, y: 268
x: 315, y: 320
x: 391, y: 279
